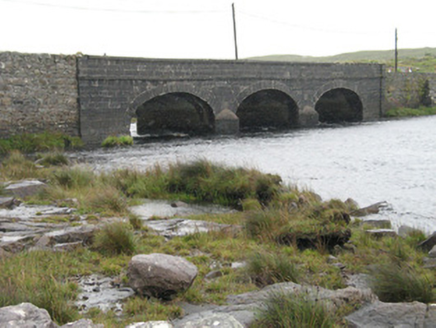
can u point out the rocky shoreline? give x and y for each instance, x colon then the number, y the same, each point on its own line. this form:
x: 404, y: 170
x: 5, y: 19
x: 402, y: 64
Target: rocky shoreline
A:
x: 23, y: 228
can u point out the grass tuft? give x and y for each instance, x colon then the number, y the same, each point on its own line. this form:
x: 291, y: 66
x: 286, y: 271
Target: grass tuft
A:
x: 395, y: 282
x: 115, y: 238
x: 290, y: 310
x: 270, y: 268
x: 114, y: 141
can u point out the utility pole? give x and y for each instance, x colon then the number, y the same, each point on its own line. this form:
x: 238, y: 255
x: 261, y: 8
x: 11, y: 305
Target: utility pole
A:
x: 396, y: 51
x: 234, y: 31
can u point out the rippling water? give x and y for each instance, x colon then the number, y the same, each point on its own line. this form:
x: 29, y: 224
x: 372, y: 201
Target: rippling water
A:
x: 393, y: 161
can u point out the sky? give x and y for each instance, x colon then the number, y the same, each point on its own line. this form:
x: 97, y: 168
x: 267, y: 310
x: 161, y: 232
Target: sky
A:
x: 204, y: 28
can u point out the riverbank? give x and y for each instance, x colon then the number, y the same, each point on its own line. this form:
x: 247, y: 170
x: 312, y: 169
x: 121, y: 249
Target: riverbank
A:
x: 278, y: 233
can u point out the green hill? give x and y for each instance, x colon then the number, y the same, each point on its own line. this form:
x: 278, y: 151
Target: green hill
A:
x: 422, y: 59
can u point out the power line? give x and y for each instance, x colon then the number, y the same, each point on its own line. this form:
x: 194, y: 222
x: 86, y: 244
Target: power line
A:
x: 280, y: 22
x: 117, y: 10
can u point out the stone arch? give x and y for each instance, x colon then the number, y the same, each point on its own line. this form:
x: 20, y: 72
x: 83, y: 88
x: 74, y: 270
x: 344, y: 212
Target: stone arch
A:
x: 176, y: 108
x: 338, y: 102
x: 172, y: 87
x: 267, y: 105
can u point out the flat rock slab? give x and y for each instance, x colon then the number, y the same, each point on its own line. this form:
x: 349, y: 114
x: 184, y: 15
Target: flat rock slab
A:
x: 382, y: 315
x: 151, y: 324
x: 25, y: 188
x: 26, y: 212
x: 164, y: 209
x: 380, y: 233
x: 6, y: 202
x: 181, y: 227
x: 101, y: 292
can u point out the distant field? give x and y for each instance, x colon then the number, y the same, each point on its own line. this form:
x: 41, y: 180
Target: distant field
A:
x: 422, y: 59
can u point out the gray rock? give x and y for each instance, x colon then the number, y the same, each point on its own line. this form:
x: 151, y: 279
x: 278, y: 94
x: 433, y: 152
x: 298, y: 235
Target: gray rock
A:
x: 6, y: 202
x: 432, y: 252
x: 382, y: 315
x: 383, y: 224
x: 151, y: 324
x: 181, y: 227
x: 429, y: 262
x: 67, y: 247
x: 25, y: 188
x: 372, y: 209
x: 221, y: 320
x: 82, y: 323
x: 405, y: 230
x: 25, y: 315
x: 214, y: 274
x: 429, y: 243
x: 179, y: 204
x: 380, y: 233
x: 160, y: 275
x: 83, y: 233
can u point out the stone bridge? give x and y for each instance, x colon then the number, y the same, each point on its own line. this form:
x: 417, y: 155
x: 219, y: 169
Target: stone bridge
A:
x: 217, y: 96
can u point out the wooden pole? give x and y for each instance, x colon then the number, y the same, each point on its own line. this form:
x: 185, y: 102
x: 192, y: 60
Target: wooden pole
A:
x: 396, y: 50
x: 234, y: 31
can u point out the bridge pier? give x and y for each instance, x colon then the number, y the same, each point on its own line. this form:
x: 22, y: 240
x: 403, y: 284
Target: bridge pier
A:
x: 226, y: 123
x: 308, y: 117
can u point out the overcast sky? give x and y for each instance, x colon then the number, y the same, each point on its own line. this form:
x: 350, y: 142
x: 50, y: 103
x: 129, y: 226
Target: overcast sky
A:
x: 204, y: 28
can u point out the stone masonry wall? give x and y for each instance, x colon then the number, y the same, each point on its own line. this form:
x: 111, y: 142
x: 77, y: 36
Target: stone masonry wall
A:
x: 38, y: 92
x: 407, y: 90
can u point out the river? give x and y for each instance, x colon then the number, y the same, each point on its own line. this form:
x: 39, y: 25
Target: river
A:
x: 388, y: 161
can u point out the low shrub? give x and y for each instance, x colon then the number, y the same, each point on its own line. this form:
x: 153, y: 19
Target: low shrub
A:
x: 269, y: 268
x: 400, y: 282
x: 115, y: 238
x: 290, y: 310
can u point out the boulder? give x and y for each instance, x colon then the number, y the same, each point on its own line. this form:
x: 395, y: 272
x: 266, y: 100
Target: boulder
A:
x: 222, y: 320
x: 25, y: 188
x: 429, y: 243
x: 82, y: 323
x: 25, y: 315
x: 432, y: 252
x: 381, y: 315
x: 382, y: 224
x: 151, y: 324
x: 380, y: 233
x: 372, y: 209
x: 405, y: 230
x: 6, y: 202
x: 160, y: 275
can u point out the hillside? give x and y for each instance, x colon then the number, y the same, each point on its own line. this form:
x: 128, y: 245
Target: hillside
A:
x: 422, y: 59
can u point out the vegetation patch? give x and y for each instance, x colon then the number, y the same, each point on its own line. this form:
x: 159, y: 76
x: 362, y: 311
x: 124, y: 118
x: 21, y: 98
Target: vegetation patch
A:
x: 46, y: 141
x: 120, y: 141
x: 407, y: 112
x: 399, y: 282
x: 115, y: 238
x: 288, y: 310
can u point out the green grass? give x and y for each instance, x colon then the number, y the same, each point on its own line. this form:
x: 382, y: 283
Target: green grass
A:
x: 290, y: 310
x: 399, y: 282
x: 407, y: 112
x: 47, y: 141
x: 273, y: 222
x: 115, y: 238
x: 114, y: 141
x: 270, y: 268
